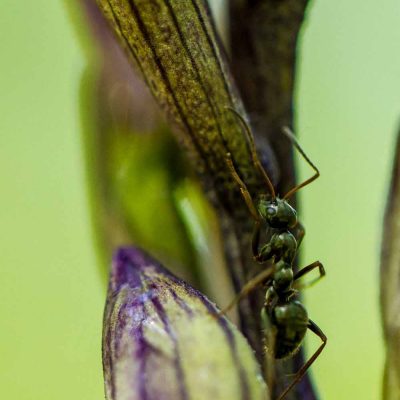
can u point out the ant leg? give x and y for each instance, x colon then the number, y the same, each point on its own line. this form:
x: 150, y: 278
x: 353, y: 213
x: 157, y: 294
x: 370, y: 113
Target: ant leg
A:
x: 251, y: 285
x: 255, y: 241
x: 269, y: 361
x: 250, y: 205
x: 253, y: 152
x: 299, y: 231
x: 243, y: 189
x: 296, y: 144
x: 270, y: 332
x: 309, y: 268
x: 299, y: 375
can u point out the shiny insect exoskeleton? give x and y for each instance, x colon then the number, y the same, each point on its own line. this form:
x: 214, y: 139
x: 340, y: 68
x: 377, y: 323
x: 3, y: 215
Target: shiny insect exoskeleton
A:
x: 284, y: 319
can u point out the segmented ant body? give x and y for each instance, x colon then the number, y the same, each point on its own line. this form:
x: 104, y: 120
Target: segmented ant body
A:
x: 284, y: 319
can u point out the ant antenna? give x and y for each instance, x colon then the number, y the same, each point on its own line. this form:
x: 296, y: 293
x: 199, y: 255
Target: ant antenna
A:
x: 253, y: 152
x: 296, y: 144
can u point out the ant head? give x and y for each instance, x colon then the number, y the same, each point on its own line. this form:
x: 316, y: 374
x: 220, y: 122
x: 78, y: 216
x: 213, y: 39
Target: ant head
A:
x: 278, y: 213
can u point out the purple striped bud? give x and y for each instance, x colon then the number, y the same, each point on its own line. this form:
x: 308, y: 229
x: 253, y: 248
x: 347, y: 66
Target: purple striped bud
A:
x: 162, y: 339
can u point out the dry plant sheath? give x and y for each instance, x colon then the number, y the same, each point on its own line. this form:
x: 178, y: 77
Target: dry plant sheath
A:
x: 390, y: 284
x: 174, y: 47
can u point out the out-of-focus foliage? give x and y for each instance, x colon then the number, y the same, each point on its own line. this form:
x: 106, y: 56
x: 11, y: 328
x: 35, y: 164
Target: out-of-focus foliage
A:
x: 390, y: 285
x: 52, y: 298
x: 142, y: 189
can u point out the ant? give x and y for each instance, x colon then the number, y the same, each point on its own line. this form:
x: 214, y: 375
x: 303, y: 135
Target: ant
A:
x: 285, y: 320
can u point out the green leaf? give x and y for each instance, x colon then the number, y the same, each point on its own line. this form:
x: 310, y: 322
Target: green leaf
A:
x: 390, y: 284
x: 173, y: 44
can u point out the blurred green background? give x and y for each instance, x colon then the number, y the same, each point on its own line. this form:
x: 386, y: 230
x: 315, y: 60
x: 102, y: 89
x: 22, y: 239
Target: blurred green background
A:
x: 51, y: 297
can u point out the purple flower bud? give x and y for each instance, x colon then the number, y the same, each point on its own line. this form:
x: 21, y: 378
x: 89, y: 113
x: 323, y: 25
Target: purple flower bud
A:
x: 163, y: 341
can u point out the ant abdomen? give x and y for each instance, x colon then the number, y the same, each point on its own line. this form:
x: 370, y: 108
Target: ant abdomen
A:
x: 291, y: 323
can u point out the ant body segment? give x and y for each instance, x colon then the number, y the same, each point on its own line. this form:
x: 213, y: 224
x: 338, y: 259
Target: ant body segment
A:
x: 285, y: 320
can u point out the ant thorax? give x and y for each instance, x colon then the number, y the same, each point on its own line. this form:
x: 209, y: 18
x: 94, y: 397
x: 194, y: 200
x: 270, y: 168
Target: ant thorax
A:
x: 277, y: 213
x: 281, y: 246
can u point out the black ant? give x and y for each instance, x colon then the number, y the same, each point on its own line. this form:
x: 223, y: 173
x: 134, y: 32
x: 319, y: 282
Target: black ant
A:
x: 284, y: 319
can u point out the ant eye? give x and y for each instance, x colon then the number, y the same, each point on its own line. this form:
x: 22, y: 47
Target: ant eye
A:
x: 271, y: 210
